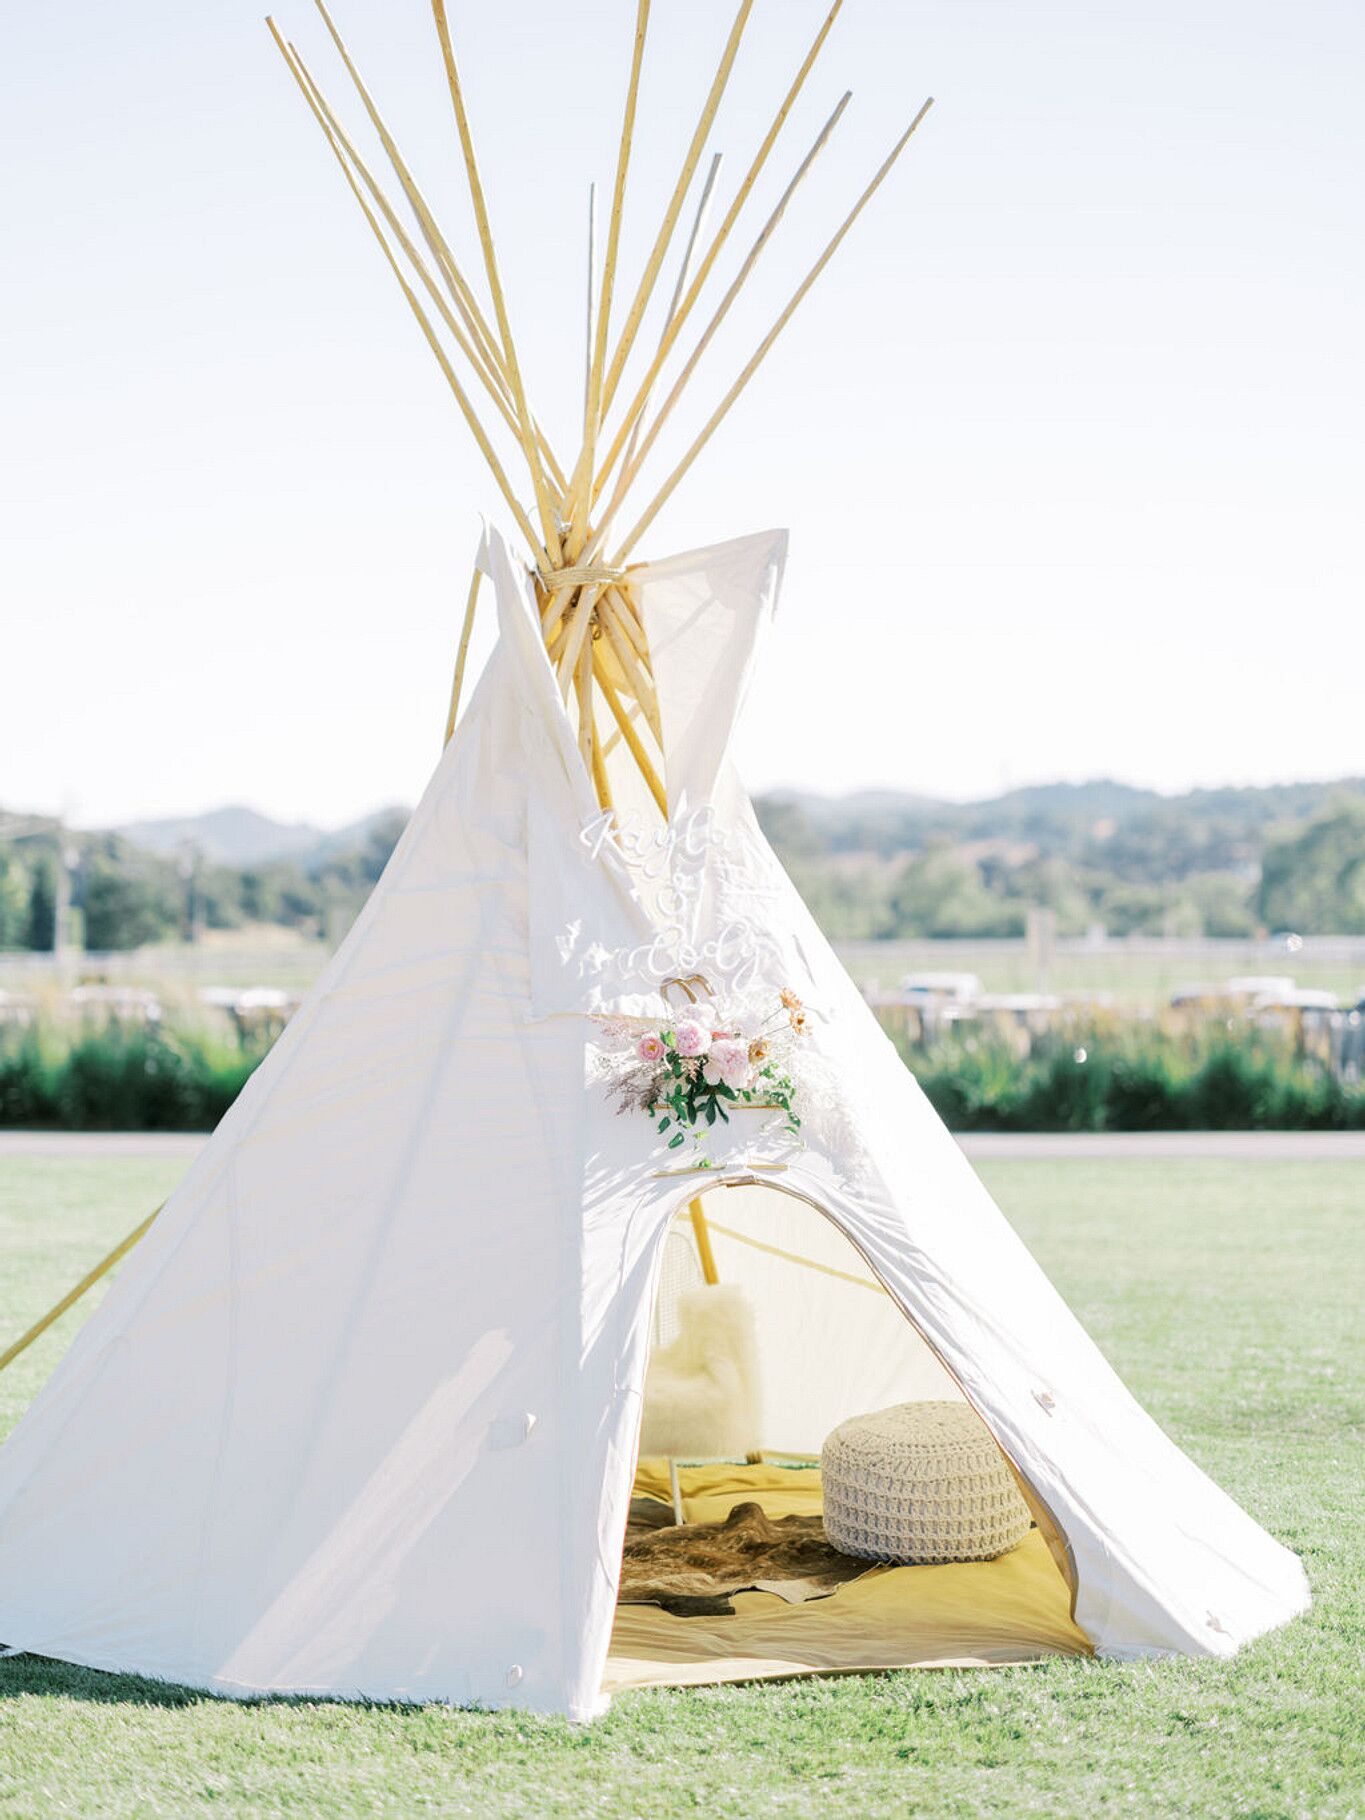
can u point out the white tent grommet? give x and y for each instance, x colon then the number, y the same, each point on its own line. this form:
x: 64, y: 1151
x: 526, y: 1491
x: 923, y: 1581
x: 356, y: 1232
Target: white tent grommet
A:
x: 511, y: 1431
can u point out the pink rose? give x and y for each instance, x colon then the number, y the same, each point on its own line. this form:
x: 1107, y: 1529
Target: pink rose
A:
x: 650, y: 1048
x: 692, y: 1038
x: 728, y: 1064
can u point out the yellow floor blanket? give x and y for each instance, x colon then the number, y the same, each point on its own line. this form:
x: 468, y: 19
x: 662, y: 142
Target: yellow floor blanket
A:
x: 971, y: 1615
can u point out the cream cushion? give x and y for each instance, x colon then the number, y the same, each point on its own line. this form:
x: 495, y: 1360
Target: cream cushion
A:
x: 920, y: 1482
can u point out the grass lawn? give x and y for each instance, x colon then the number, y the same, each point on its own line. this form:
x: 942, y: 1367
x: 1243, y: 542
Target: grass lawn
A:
x: 1230, y: 1297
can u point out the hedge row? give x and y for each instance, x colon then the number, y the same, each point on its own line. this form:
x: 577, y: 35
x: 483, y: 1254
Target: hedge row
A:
x: 159, y: 1078
x: 1141, y: 1080
x: 122, y: 1078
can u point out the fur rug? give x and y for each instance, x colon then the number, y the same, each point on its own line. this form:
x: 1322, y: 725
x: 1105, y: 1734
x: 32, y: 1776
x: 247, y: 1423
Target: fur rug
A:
x: 692, y: 1571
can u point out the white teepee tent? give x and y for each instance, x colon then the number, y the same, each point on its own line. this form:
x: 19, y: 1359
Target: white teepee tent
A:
x: 360, y: 1415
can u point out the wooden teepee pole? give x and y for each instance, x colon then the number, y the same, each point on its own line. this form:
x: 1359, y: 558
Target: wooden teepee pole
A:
x: 637, y: 751
x: 465, y: 300
x: 580, y: 629
x: 592, y: 294
x: 580, y: 489
x: 433, y: 339
x: 665, y: 493
x: 72, y: 1296
x: 703, y: 271
x: 636, y: 457
x: 548, y: 521
x: 345, y: 149
x: 650, y: 276
x: 460, y: 290
x: 684, y: 273
x: 614, y: 624
x: 462, y: 653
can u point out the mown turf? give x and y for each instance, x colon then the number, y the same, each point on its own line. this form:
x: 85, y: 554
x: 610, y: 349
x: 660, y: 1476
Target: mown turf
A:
x: 1229, y: 1295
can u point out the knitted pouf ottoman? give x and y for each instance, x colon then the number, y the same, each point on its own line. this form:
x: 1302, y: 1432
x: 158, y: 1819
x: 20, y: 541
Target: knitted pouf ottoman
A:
x: 920, y: 1482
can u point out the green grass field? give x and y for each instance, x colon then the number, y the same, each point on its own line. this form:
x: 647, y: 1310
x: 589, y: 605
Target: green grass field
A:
x: 1228, y: 1294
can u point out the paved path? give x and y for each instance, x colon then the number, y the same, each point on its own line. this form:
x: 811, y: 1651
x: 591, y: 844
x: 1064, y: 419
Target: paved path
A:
x: 1099, y: 1146
x: 1241, y: 1146
x: 101, y: 1144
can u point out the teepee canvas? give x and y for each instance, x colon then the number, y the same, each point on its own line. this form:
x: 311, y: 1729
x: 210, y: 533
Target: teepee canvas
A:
x: 360, y: 1416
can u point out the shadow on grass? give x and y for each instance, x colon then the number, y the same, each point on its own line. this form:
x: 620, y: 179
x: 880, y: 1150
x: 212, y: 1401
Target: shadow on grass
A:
x: 21, y: 1675
x: 41, y: 1676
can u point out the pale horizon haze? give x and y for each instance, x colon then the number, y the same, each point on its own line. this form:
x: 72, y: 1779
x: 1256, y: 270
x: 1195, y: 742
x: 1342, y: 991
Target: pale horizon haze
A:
x: 1068, y: 437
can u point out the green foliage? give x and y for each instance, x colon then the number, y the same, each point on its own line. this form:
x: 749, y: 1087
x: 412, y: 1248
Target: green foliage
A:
x: 937, y: 894
x: 128, y: 897
x: 1313, y: 877
x: 129, y: 900
x: 122, y: 1077
x: 42, y: 903
x: 1133, y: 1077
x: 879, y: 865
x: 16, y: 893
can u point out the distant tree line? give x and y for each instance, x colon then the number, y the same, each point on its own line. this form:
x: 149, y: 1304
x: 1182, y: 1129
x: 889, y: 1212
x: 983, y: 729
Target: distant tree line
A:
x: 126, y: 897
x: 1169, y: 868
x: 1216, y: 863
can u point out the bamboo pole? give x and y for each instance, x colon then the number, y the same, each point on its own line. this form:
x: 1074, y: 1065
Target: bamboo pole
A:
x: 460, y: 290
x: 580, y: 490
x: 73, y: 1296
x: 592, y: 295
x: 637, y: 751
x: 528, y: 441
x: 465, y: 299
x: 684, y: 273
x: 713, y: 252
x: 433, y: 340
x: 626, y: 608
x: 342, y: 144
x: 601, y: 782
x: 462, y: 654
x: 635, y: 460
x: 656, y: 258
x: 582, y: 681
x: 579, y: 627
x: 756, y: 359
x: 703, y: 1237
x: 613, y: 624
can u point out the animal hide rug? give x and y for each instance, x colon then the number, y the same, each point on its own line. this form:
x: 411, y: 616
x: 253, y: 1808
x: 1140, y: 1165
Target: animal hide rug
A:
x: 693, y: 1569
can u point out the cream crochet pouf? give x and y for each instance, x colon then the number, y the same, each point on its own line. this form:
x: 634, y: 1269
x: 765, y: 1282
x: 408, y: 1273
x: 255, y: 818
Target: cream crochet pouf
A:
x: 920, y: 1482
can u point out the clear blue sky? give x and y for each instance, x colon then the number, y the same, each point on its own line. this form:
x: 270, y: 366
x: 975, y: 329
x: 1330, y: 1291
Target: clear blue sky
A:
x: 1069, y: 439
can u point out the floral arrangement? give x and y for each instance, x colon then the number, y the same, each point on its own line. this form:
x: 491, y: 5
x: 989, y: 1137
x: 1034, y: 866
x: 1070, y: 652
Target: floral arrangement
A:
x: 688, y: 1071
